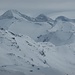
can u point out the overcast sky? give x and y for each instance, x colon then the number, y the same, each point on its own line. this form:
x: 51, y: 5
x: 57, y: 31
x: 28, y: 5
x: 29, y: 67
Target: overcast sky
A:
x: 55, y: 5
x: 37, y: 4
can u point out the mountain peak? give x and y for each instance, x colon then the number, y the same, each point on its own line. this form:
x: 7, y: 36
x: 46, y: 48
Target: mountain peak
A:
x: 63, y: 18
x: 41, y: 15
x: 15, y: 14
x: 42, y: 18
x: 8, y: 14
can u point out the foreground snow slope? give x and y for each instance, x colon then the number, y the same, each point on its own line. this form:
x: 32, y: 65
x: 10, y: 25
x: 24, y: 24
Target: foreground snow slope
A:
x: 21, y: 53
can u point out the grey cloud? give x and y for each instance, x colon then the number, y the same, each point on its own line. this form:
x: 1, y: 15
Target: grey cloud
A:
x: 38, y: 4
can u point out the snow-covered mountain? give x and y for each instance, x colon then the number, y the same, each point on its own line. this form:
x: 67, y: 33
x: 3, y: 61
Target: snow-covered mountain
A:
x: 36, y: 46
x: 19, y: 23
x: 62, y: 33
x: 14, y: 14
x: 43, y: 18
x: 65, y: 19
x: 11, y: 16
x: 18, y: 51
x: 22, y: 24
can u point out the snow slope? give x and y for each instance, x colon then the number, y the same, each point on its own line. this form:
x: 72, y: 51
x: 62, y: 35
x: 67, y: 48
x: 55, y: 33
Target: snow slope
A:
x: 29, y: 28
x: 62, y: 33
x: 21, y: 53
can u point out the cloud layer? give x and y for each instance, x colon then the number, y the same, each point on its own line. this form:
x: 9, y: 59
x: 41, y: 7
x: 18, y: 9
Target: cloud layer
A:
x: 37, y: 4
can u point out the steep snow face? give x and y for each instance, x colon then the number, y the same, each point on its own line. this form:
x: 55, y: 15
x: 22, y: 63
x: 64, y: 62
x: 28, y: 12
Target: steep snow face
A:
x: 21, y: 53
x: 62, y: 33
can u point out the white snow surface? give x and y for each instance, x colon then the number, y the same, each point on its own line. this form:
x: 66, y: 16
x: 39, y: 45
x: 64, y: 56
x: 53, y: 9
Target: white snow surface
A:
x: 62, y: 33
x: 21, y: 53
